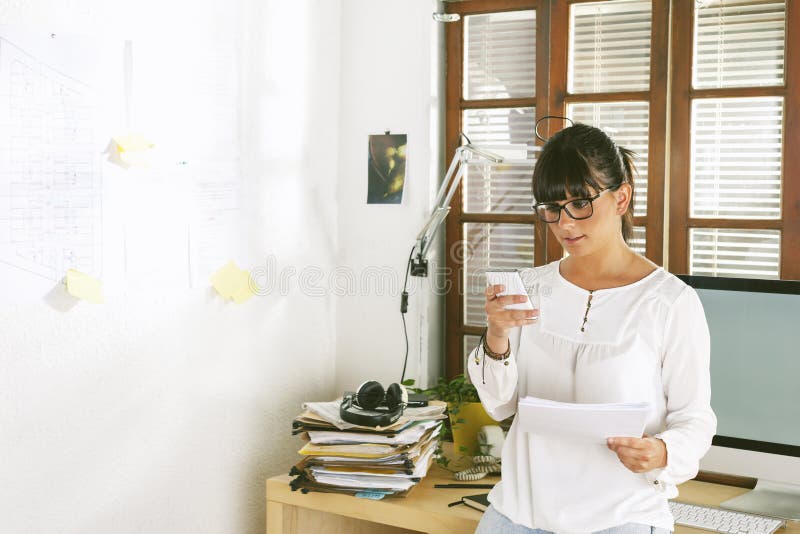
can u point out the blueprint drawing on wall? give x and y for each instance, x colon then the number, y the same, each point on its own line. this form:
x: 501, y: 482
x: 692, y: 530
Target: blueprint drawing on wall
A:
x: 50, y: 170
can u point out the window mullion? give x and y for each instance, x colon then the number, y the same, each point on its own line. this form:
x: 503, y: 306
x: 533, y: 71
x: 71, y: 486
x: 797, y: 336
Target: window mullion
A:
x: 790, y: 248
x: 679, y: 140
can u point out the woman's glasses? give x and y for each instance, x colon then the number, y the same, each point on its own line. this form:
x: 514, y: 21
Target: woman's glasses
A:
x: 578, y: 209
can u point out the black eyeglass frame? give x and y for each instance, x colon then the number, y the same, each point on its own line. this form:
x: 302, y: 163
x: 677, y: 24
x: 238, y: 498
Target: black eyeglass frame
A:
x: 564, y: 206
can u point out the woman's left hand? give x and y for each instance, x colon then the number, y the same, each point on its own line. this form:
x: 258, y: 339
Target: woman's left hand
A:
x: 640, y: 454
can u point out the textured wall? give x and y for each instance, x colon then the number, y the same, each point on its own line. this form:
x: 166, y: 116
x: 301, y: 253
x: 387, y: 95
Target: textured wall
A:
x: 390, y: 80
x: 165, y: 411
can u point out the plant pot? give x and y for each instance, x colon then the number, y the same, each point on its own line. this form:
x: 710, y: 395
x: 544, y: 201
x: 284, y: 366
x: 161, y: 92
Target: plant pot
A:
x: 472, y: 417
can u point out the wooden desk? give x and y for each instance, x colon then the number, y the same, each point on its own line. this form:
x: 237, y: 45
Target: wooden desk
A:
x: 424, y: 510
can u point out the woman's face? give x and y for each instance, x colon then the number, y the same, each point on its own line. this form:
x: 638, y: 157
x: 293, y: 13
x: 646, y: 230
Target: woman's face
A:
x: 592, y: 235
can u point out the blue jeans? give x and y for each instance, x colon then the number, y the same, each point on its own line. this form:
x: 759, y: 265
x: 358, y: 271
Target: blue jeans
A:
x: 493, y: 522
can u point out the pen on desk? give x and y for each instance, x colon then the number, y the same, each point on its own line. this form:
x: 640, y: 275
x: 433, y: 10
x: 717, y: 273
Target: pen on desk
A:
x: 464, y: 486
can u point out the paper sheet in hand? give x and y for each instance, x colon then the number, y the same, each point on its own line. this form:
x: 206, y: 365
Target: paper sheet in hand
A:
x: 585, y: 422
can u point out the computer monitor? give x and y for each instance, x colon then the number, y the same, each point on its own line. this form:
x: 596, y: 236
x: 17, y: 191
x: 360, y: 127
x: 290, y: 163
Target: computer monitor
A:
x: 755, y: 388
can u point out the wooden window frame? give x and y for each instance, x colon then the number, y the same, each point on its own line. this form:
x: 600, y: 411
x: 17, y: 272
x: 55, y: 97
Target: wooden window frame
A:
x: 669, y: 97
x: 682, y: 94
x: 655, y: 96
x: 455, y: 106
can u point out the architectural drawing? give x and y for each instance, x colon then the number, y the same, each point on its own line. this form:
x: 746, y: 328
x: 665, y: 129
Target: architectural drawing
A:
x: 50, y: 174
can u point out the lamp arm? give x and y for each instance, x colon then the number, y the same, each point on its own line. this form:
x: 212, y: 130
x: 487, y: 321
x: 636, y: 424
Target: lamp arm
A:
x: 457, y: 180
x: 491, y: 156
x: 419, y: 265
x: 445, y: 183
x: 438, y: 216
x: 436, y: 223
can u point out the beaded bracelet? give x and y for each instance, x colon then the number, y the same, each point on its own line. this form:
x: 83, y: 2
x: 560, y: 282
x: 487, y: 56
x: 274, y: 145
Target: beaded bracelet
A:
x: 495, y: 355
x: 491, y: 354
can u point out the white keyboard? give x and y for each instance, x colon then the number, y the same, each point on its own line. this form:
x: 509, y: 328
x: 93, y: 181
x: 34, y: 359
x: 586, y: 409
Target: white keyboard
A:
x: 718, y: 520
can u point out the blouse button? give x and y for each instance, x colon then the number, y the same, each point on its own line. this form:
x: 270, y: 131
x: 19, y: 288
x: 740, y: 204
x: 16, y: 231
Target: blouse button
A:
x: 656, y: 482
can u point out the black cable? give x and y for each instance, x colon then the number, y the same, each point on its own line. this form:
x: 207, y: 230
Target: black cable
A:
x: 481, y: 342
x: 405, y: 361
x: 536, y: 126
x: 404, y: 309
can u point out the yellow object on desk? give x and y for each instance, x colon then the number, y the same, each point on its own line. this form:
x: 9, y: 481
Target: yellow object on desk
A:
x: 465, y: 434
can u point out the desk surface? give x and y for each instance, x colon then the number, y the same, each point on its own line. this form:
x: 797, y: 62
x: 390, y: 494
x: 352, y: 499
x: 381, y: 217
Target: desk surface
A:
x: 425, y: 508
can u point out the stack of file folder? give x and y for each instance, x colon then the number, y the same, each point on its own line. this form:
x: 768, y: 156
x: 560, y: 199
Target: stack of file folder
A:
x: 340, y: 457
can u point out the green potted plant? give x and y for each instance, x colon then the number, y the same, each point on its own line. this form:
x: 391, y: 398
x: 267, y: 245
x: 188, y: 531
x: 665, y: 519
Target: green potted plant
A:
x: 466, y: 412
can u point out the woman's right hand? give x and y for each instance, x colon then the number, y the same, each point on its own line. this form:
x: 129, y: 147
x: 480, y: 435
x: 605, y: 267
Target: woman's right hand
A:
x: 500, y: 320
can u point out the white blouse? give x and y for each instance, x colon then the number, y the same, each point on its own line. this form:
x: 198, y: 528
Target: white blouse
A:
x: 647, y: 341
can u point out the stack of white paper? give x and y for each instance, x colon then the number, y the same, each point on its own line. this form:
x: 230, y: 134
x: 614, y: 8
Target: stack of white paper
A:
x: 406, y: 436
x: 365, y: 461
x: 329, y: 411
x: 585, y: 422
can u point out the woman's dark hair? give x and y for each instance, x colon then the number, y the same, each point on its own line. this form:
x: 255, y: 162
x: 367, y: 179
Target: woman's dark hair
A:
x: 579, y: 158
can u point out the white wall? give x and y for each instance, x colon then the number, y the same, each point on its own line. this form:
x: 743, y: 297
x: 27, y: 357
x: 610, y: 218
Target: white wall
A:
x: 165, y: 411
x: 390, y: 80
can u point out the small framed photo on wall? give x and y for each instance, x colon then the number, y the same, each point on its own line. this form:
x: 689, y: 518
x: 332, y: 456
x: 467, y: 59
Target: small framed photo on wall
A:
x: 386, y: 173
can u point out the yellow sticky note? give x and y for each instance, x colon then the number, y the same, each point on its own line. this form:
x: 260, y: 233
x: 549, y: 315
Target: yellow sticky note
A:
x: 133, y: 142
x: 232, y: 283
x: 83, y: 286
x: 243, y: 289
x: 132, y: 149
x: 225, y: 280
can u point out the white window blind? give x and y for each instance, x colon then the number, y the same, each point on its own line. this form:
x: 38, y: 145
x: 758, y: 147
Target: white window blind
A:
x: 495, y: 246
x: 504, y: 187
x: 736, y: 158
x: 627, y: 123
x: 736, y: 253
x: 739, y: 43
x: 500, y: 55
x: 638, y: 242
x: 609, y: 48
x: 499, y: 126
x: 498, y: 188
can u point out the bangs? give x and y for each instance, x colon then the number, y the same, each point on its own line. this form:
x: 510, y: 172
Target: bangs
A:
x: 562, y: 172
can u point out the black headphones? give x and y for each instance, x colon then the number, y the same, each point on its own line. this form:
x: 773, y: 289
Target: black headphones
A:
x: 371, y: 405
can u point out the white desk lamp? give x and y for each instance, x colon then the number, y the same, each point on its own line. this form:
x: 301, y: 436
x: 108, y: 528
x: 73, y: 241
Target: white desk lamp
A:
x: 419, y: 255
x: 418, y: 259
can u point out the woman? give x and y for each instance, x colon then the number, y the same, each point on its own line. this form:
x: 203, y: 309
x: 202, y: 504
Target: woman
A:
x: 611, y: 327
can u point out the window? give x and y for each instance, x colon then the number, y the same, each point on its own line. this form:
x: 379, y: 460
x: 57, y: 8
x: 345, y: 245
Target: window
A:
x: 494, y: 84
x: 609, y: 86
x: 709, y: 112
x: 734, y: 185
